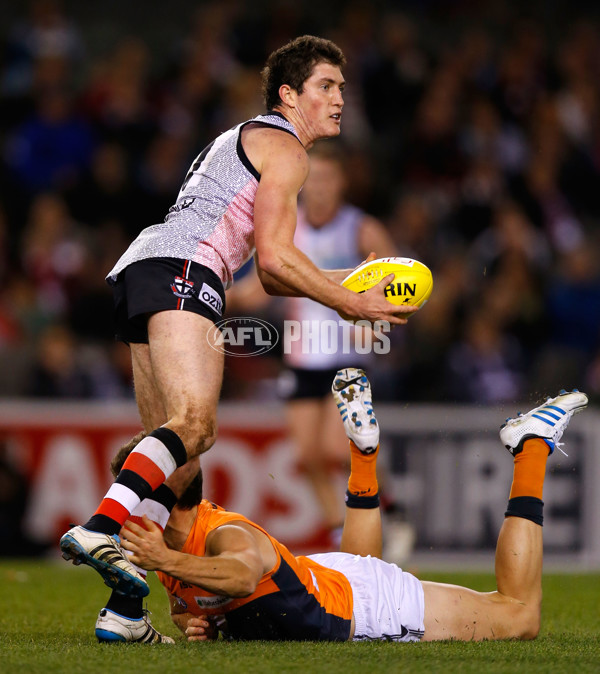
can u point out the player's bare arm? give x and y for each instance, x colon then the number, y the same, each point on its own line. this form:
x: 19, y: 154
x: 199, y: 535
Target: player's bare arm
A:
x: 283, y: 165
x: 180, y: 616
x: 195, y: 628
x: 273, y: 287
x: 233, y: 564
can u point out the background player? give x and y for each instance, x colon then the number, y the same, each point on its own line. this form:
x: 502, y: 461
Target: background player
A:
x: 238, y: 197
x: 220, y: 563
x: 335, y: 235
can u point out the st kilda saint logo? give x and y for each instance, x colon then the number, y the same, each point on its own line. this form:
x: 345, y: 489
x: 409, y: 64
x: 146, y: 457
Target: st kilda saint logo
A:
x: 183, y: 288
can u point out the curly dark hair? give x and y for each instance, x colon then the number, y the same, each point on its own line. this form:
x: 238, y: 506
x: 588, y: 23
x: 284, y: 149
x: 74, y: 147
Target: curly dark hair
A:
x: 293, y: 64
x: 191, y: 496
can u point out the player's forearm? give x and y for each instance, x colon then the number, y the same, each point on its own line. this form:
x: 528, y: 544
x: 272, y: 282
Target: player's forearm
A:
x: 293, y: 270
x: 221, y: 575
x: 181, y: 620
x: 335, y: 275
x: 275, y: 287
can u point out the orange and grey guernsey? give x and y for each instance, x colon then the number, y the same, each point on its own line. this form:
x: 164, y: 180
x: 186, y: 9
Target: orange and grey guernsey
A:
x: 297, y: 599
x: 212, y: 220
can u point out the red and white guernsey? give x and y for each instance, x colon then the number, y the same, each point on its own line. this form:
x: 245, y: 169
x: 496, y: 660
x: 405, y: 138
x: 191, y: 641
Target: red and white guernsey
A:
x: 212, y: 221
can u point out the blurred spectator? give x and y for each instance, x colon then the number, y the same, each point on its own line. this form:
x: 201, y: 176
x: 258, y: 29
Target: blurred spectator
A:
x: 485, y: 136
x: 400, y: 67
x: 161, y: 172
x: 53, y: 147
x: 481, y: 190
x: 56, y: 371
x: 414, y: 229
x: 435, y: 161
x: 485, y: 366
x: 46, y: 33
x: 53, y: 252
x: 573, y: 301
x: 116, y: 97
x: 510, y: 234
x: 106, y: 191
x: 421, y: 359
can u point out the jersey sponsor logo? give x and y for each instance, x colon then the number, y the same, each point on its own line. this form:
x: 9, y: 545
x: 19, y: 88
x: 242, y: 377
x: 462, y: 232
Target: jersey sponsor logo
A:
x: 212, y: 298
x: 212, y: 602
x: 183, y: 288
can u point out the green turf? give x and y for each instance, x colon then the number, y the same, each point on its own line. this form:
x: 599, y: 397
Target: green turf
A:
x: 48, y: 610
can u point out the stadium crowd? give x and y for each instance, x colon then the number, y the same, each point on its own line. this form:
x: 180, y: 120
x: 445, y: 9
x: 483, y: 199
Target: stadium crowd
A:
x: 473, y: 134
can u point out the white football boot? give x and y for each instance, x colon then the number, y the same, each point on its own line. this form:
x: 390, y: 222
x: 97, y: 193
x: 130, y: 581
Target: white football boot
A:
x: 352, y: 393
x: 112, y: 627
x: 548, y: 421
x: 105, y: 554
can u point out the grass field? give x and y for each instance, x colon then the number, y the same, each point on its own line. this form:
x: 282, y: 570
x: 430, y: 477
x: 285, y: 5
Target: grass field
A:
x: 48, y: 610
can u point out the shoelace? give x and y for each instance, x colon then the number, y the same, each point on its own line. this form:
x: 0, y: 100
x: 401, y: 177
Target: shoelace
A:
x: 558, y: 446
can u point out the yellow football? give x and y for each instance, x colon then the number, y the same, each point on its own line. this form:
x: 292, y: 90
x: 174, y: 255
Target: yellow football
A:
x: 412, y: 284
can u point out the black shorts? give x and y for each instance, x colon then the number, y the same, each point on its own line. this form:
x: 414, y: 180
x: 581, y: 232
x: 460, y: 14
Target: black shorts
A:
x: 163, y: 284
x: 301, y: 384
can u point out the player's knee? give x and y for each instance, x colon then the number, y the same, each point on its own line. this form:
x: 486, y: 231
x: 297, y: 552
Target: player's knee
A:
x: 529, y: 624
x: 198, y: 432
x: 533, y: 627
x: 206, y: 436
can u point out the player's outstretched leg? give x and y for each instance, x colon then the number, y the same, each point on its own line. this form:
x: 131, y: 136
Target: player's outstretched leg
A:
x: 513, y: 612
x: 362, y: 523
x: 112, y: 627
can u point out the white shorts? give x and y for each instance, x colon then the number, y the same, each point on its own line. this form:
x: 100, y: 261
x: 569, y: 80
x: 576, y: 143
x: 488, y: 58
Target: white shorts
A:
x: 388, y: 602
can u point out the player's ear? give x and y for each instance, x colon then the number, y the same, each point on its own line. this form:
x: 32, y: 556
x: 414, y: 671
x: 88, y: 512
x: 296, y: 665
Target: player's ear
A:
x: 288, y: 95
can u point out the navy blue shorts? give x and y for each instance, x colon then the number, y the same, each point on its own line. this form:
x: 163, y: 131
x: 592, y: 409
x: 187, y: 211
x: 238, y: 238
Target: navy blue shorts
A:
x: 303, y: 384
x: 163, y: 284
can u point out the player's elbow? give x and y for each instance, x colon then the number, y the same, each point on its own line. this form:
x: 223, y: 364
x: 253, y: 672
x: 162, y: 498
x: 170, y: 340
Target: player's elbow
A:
x: 268, y: 263
x: 267, y: 280
x: 244, y: 584
x: 243, y: 588
x: 269, y: 286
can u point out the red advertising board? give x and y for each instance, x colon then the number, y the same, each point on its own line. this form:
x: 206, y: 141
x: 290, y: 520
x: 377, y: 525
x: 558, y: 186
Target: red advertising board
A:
x: 65, y: 451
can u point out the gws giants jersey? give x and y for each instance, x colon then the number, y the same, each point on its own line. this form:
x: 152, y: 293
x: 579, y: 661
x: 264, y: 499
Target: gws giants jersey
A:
x: 298, y: 599
x: 212, y: 221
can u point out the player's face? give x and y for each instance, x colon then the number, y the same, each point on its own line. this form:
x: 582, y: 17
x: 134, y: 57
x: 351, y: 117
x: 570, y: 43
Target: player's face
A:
x: 320, y: 103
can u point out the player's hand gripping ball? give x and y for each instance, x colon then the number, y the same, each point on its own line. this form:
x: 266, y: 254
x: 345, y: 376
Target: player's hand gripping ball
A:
x: 412, y: 284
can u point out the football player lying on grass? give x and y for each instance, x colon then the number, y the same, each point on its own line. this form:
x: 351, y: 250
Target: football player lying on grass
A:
x: 217, y: 564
